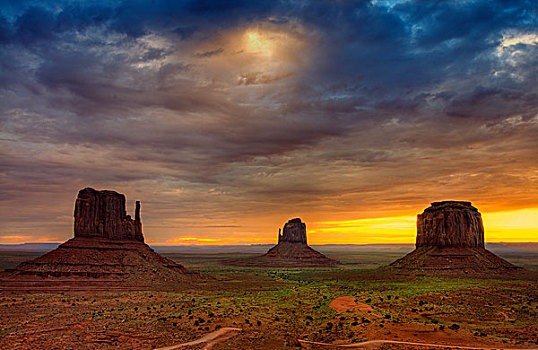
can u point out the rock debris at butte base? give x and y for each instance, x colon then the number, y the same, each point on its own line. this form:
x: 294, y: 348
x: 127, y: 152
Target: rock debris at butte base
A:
x: 108, y: 247
x: 450, y: 237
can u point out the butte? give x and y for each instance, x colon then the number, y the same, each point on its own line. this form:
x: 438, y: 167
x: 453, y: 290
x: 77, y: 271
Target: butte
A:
x: 107, y: 250
x: 450, y: 238
x: 292, y: 249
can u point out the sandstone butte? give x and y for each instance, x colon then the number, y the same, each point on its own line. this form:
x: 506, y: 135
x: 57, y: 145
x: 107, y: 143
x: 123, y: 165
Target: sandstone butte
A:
x: 107, y: 249
x: 292, y: 249
x: 450, y: 238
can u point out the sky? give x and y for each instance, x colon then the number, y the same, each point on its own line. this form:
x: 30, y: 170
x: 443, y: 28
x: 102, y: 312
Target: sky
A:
x: 228, y: 118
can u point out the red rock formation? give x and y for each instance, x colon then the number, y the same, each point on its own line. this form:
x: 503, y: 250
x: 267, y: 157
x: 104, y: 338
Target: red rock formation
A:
x: 102, y: 214
x: 450, y: 238
x: 294, y: 232
x: 108, y: 247
x: 291, y: 250
x: 450, y: 224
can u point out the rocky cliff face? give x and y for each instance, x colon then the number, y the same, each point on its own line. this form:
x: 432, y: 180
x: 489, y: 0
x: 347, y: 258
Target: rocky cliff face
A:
x: 450, y: 239
x: 292, y: 250
x: 450, y: 224
x: 108, y: 251
x: 294, y: 232
x: 102, y: 214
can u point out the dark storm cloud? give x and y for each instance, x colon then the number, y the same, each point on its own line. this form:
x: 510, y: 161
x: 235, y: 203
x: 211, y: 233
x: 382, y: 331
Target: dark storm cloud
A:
x: 146, y: 94
x: 209, y: 53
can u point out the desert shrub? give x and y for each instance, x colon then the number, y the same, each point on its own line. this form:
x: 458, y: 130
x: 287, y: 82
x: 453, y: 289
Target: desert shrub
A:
x: 454, y: 326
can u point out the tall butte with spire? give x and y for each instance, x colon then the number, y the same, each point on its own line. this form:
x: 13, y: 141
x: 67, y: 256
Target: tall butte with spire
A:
x: 102, y: 214
x: 292, y: 249
x: 108, y: 246
x: 450, y: 237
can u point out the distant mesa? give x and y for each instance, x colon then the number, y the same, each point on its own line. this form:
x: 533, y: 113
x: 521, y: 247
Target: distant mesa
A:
x: 450, y: 237
x: 108, y: 246
x: 292, y: 250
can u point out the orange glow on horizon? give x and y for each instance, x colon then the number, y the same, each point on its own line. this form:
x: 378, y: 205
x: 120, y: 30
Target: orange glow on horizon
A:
x: 504, y: 226
x: 511, y: 226
x: 507, y: 226
x: 21, y: 239
x: 401, y: 229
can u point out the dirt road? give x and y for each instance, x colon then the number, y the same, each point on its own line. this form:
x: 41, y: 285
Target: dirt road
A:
x: 380, y: 342
x: 210, y: 338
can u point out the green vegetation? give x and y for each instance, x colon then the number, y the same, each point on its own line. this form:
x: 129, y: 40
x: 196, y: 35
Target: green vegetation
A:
x: 280, y: 303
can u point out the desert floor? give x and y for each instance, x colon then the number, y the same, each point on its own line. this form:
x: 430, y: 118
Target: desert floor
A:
x: 257, y: 308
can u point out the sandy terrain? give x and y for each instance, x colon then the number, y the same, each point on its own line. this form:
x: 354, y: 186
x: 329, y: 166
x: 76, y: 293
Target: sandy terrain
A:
x: 348, y: 303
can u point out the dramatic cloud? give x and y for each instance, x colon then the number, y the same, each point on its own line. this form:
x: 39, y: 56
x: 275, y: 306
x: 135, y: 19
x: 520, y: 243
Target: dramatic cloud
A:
x: 228, y: 117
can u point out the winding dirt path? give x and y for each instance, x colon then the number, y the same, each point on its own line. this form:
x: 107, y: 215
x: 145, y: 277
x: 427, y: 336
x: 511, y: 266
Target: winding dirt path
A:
x: 379, y: 342
x: 210, y: 338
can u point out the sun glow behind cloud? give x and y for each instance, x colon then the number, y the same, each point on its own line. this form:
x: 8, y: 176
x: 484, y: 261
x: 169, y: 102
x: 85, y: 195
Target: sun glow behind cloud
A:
x: 227, y: 121
x: 527, y: 39
x: 256, y: 43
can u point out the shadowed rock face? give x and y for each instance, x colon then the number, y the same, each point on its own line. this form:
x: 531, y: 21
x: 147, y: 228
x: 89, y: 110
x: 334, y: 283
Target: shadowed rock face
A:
x: 108, y: 250
x: 450, y: 238
x: 292, y: 249
x: 294, y: 232
x: 102, y: 214
x: 450, y: 224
